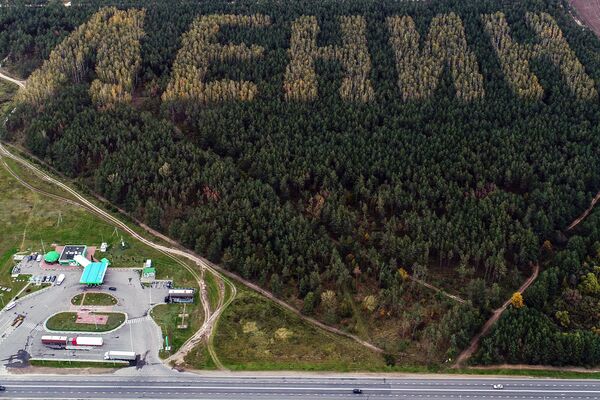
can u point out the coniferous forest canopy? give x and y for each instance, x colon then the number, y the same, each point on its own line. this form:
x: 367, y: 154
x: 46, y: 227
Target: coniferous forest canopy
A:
x: 324, y: 149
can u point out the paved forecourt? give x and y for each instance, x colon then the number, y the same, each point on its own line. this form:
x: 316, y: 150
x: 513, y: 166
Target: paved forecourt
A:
x: 139, y: 333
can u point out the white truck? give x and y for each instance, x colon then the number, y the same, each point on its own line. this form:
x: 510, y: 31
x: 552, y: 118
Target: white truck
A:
x: 120, y: 355
x: 60, y: 279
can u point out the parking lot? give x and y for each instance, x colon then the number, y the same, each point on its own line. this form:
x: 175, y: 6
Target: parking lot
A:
x: 139, y: 333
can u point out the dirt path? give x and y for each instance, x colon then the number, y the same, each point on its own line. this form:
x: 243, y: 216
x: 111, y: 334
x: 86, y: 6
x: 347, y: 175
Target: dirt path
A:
x: 585, y: 213
x: 10, y: 79
x: 468, y: 352
x: 438, y: 290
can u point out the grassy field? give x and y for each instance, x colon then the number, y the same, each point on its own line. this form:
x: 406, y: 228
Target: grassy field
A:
x: 212, y: 288
x: 35, y: 288
x: 53, y: 221
x: 78, y: 364
x: 65, y: 321
x: 256, y: 334
x: 93, y: 299
x: 167, y: 316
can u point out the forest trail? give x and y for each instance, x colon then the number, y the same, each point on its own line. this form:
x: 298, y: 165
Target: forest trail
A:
x: 436, y: 289
x: 469, y: 351
x: 13, y: 80
x: 585, y: 213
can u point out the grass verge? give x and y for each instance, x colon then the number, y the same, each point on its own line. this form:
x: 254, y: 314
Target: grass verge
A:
x: 94, y: 299
x: 212, y: 288
x: 65, y: 321
x: 168, y: 317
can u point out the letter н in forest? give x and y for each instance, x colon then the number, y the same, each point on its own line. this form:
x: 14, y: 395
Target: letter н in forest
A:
x: 300, y: 77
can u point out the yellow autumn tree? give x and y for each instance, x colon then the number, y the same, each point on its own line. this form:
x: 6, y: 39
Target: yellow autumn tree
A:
x: 517, y: 300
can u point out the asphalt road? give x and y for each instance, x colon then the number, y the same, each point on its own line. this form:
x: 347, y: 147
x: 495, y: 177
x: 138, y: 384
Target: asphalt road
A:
x: 234, y: 387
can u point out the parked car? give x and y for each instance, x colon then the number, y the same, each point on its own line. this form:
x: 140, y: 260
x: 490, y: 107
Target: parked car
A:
x: 44, y: 279
x: 114, y: 289
x: 53, y: 279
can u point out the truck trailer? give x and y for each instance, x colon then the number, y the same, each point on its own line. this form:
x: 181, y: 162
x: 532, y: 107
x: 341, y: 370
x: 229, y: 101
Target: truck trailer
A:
x: 74, y: 343
x: 87, y: 341
x: 120, y: 355
x: 55, y: 340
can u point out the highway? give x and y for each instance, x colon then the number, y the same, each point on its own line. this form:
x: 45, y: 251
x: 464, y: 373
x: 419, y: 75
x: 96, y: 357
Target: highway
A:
x: 236, y: 387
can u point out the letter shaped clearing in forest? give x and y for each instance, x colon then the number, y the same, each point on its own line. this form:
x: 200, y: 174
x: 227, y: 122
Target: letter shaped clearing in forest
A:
x: 199, y: 48
x: 300, y: 77
x: 115, y: 36
x: 419, y: 70
x: 515, y: 57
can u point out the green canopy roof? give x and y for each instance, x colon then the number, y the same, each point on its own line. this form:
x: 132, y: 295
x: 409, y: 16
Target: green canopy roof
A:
x: 93, y: 274
x: 52, y: 257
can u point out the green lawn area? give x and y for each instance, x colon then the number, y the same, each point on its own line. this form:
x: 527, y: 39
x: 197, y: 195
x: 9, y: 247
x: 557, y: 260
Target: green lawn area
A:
x: 65, y: 321
x: 35, y: 288
x: 212, y: 288
x: 78, y: 364
x: 167, y: 317
x: 94, y: 299
x: 257, y: 334
x: 6, y: 265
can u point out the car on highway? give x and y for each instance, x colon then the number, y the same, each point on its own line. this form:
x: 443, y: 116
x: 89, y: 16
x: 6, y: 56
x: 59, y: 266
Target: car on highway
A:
x: 2, y: 388
x: 357, y: 391
x: 114, y: 289
x: 498, y: 386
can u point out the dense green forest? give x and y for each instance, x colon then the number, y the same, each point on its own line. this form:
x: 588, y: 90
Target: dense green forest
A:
x: 318, y: 165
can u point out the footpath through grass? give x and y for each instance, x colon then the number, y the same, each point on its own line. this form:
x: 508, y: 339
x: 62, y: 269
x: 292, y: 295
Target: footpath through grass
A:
x: 93, y: 299
x: 257, y: 334
x: 65, y: 321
